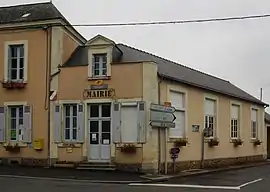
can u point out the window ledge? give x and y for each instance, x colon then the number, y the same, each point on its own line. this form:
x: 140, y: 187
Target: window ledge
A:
x: 19, y: 144
x: 99, y: 78
x: 13, y: 84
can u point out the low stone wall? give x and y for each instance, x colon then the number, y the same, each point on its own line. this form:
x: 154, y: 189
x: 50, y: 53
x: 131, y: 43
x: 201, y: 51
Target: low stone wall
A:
x: 213, y: 163
x: 180, y: 166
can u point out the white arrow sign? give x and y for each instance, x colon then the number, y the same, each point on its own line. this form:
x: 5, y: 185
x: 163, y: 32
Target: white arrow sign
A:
x: 162, y: 108
x: 161, y: 116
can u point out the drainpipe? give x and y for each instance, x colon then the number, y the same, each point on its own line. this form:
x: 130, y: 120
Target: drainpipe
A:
x: 159, y: 134
x: 48, y: 88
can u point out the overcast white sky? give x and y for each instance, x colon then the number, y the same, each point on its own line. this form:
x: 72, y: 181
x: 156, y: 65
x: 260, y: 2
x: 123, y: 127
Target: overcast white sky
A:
x: 238, y: 51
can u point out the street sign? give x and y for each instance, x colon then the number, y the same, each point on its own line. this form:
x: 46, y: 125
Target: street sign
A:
x: 163, y: 125
x: 161, y: 116
x: 175, y: 150
x: 161, y: 108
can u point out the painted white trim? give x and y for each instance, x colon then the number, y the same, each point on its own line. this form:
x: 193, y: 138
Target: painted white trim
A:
x: 97, y: 50
x: 177, y: 89
x: 259, y: 129
x: 129, y: 104
x: 240, y: 118
x: 69, y: 101
x: 89, y: 101
x: 216, y: 99
x: 14, y: 103
x: 6, y: 47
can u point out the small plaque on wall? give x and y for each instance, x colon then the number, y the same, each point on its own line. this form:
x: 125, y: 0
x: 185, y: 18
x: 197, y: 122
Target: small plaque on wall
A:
x: 195, y: 128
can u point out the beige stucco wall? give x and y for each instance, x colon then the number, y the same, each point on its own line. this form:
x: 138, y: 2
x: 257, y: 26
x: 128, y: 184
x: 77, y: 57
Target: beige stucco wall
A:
x: 35, y: 91
x: 195, y: 116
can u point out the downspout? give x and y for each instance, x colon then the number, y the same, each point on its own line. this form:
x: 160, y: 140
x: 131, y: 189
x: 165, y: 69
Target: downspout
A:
x: 159, y: 134
x: 48, y: 73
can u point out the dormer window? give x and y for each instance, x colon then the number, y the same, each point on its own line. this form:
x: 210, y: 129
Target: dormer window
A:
x: 99, y: 65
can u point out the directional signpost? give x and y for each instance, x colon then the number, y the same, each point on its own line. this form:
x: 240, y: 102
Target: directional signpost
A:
x: 162, y: 116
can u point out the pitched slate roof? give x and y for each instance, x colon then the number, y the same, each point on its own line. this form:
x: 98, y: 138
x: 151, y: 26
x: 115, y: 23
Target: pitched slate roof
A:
x: 168, y: 69
x: 38, y: 12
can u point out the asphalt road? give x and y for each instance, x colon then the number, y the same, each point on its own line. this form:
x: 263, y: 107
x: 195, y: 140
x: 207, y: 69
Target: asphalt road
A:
x: 245, y: 180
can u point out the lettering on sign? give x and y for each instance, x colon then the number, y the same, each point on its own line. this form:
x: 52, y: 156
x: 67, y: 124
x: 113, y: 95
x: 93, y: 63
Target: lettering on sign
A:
x: 94, y: 94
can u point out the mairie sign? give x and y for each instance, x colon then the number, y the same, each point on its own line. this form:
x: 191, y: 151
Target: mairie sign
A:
x: 162, y: 116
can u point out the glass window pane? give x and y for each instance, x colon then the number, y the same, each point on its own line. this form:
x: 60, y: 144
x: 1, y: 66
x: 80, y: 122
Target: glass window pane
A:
x: 74, y: 110
x: 21, y: 62
x: 94, y: 110
x: 74, y: 121
x: 104, y: 72
x: 13, y: 112
x: 14, y: 74
x: 22, y: 51
x: 13, y: 135
x: 13, y: 124
x: 13, y: 49
x: 21, y: 74
x: 13, y: 63
x: 67, y: 134
x: 96, y: 72
x: 106, y: 140
x: 94, y: 126
x: 21, y: 111
x: 106, y: 110
x: 67, y: 122
x: 21, y: 121
x: 67, y: 110
x: 96, y: 58
x: 106, y: 126
x: 74, y: 134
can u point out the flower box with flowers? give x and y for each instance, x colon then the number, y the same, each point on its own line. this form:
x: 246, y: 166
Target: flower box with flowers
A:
x: 13, y: 84
x: 128, y: 148
x: 212, y: 142
x: 237, y: 141
x: 13, y: 148
x: 180, y: 142
x: 256, y: 142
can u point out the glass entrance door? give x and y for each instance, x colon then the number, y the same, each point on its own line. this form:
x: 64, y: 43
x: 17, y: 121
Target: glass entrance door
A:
x: 99, y: 148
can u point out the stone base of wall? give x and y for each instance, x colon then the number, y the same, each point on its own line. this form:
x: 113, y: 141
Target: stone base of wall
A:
x: 212, y: 163
x: 145, y: 168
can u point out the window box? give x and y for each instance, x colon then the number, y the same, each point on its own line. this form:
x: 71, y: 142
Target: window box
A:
x: 13, y: 148
x: 237, y: 141
x: 13, y: 85
x: 256, y: 142
x: 128, y: 148
x: 212, y: 142
x: 181, y: 142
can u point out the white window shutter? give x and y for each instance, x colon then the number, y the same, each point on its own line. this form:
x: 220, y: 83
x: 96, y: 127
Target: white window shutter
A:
x: 2, y: 124
x: 80, y: 123
x: 27, y: 124
x: 57, y: 123
x: 116, y: 122
x: 141, y: 122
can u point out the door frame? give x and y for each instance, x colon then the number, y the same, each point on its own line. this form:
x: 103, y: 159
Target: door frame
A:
x: 88, y: 131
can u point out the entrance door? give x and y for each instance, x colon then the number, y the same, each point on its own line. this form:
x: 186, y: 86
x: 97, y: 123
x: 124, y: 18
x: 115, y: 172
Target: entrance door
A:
x: 99, y: 148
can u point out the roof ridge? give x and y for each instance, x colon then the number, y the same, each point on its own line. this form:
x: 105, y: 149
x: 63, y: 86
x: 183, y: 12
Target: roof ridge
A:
x: 25, y: 4
x: 173, y: 62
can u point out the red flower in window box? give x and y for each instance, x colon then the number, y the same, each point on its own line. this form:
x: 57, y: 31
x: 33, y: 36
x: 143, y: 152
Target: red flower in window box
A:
x: 13, y: 84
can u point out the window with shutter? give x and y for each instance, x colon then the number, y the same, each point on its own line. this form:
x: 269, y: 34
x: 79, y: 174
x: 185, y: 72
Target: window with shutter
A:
x: 81, y: 123
x: 178, y: 102
x: 235, y: 121
x: 210, y: 117
x: 57, y: 123
x: 254, y: 123
x: 129, y: 123
x: 116, y: 122
x: 2, y: 124
x: 27, y: 124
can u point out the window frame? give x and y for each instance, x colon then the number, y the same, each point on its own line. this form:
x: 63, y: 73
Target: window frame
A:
x: 7, y: 45
x: 71, y: 119
x: 256, y: 123
x: 215, y: 116
x: 96, y: 50
x: 177, y: 109
x: 238, y: 121
x: 101, y: 64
